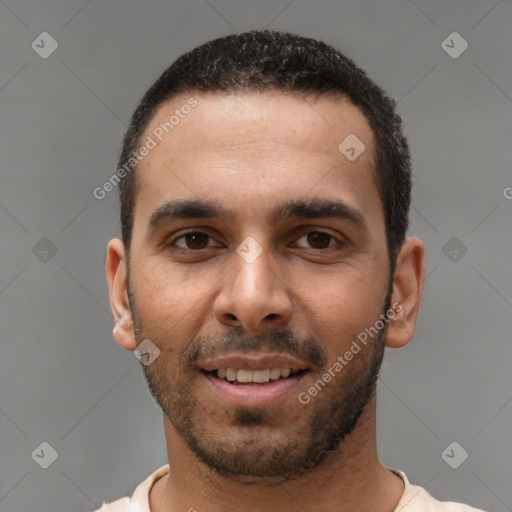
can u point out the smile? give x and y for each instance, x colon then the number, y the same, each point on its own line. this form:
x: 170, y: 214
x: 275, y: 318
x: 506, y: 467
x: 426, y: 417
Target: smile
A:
x: 241, y: 376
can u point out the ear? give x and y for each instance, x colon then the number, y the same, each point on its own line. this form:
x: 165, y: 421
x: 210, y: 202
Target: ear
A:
x: 116, y: 276
x: 408, y: 283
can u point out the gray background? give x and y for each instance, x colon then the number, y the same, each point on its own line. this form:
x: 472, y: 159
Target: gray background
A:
x: 63, y: 379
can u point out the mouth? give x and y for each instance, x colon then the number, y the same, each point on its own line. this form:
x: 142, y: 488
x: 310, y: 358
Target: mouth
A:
x: 258, y: 381
x: 240, y: 376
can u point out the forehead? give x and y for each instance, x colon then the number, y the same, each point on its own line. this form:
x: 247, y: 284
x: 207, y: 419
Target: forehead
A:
x: 259, y: 145
x: 315, y: 123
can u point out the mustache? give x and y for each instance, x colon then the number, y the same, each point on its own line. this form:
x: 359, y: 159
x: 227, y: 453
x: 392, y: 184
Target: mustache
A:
x: 281, y: 341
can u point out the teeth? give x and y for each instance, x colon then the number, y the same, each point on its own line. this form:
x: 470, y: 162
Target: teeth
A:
x: 275, y: 373
x: 259, y: 376
x: 231, y: 374
x: 244, y: 376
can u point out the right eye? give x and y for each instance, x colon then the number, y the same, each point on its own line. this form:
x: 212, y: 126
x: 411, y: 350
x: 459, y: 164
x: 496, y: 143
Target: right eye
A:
x: 193, y: 241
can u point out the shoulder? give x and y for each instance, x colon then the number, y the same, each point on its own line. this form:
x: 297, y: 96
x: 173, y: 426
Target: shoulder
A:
x: 417, y: 499
x: 120, y: 505
x: 139, y: 501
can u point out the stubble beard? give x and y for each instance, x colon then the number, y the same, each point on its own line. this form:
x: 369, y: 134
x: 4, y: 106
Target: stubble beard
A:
x: 235, y: 450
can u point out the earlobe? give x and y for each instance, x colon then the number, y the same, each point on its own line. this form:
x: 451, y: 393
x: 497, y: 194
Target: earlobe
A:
x: 408, y: 283
x: 124, y: 336
x: 115, y: 268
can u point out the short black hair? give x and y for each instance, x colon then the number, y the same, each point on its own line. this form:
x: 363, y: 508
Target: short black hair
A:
x: 262, y: 60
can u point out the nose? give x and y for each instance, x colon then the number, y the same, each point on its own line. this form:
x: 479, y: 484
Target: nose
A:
x: 253, y: 296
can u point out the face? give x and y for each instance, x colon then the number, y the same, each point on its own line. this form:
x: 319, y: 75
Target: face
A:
x: 259, y: 254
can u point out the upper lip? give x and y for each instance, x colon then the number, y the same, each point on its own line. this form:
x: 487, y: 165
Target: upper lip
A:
x: 254, y: 362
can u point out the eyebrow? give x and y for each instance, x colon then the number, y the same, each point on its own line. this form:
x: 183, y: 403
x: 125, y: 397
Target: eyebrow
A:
x: 304, y: 209
x: 318, y: 208
x: 187, y: 209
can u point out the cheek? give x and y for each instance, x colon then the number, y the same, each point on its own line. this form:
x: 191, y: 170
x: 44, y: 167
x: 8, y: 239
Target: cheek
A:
x: 163, y: 287
x: 341, y: 307
x: 169, y: 304
x: 338, y: 297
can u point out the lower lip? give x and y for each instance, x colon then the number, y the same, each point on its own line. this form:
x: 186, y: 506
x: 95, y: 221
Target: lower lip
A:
x: 253, y: 395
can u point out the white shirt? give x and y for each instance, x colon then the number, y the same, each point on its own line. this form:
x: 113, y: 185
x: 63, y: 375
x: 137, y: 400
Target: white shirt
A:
x: 414, y: 498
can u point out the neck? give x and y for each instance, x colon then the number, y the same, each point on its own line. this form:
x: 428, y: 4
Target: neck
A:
x: 351, y: 480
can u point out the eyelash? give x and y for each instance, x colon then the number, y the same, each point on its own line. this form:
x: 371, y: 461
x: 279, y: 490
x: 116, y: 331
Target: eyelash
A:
x: 171, y: 243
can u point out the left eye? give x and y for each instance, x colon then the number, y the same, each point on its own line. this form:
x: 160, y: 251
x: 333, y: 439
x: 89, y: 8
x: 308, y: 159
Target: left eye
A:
x: 317, y: 240
x: 194, y: 240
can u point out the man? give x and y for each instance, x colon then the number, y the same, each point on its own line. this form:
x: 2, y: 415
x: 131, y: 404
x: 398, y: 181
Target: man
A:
x: 263, y: 267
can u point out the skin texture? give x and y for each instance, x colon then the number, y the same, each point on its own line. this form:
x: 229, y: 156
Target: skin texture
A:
x: 306, y: 295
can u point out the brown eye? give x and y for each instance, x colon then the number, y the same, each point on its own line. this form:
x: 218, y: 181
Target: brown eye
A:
x: 193, y: 240
x: 317, y: 240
